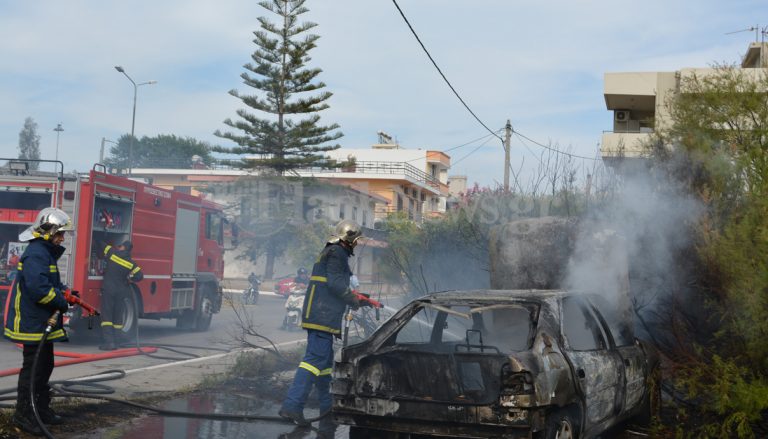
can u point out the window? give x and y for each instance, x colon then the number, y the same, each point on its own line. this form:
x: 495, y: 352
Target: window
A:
x: 365, y: 218
x: 618, y: 324
x: 213, y: 227
x: 354, y: 213
x: 418, y: 330
x: 342, y: 210
x: 580, y: 329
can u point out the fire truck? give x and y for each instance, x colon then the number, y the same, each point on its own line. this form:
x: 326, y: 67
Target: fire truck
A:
x: 177, y: 240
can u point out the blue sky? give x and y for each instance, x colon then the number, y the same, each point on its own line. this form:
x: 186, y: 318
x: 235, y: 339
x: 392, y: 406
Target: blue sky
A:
x: 539, y: 64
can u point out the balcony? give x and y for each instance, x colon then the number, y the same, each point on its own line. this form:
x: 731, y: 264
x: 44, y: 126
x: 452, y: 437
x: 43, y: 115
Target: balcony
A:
x: 625, y: 144
x: 379, y: 170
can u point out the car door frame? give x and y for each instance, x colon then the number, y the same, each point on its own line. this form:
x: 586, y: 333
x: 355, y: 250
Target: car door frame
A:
x: 597, y: 372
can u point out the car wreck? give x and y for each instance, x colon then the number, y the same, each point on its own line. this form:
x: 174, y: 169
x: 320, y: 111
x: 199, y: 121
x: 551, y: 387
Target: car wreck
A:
x: 508, y: 364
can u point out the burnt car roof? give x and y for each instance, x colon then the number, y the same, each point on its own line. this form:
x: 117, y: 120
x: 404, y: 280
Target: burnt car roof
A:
x: 494, y: 295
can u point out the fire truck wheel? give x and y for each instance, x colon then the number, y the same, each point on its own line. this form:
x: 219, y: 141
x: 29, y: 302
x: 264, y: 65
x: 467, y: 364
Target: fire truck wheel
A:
x: 129, y: 314
x: 204, y: 313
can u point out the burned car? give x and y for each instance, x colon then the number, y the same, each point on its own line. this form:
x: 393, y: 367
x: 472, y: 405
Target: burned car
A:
x: 509, y: 364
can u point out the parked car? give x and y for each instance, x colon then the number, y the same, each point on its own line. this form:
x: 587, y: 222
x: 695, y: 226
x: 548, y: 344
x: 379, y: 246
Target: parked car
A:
x: 512, y: 364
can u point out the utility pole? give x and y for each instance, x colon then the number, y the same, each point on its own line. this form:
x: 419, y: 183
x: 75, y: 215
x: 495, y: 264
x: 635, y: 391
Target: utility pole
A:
x: 507, y: 139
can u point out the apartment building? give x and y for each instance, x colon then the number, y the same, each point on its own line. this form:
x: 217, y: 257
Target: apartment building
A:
x: 412, y: 181
x: 638, y: 102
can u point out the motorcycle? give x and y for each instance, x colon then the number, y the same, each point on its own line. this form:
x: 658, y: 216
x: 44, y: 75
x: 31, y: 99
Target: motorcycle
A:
x: 251, y: 294
x: 293, y: 307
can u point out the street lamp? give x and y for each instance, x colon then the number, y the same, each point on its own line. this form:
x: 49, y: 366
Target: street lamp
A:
x: 58, y: 130
x: 133, y: 119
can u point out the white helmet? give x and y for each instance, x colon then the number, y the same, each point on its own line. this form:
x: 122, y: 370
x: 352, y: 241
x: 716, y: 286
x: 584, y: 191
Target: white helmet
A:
x: 48, y: 222
x: 347, y: 231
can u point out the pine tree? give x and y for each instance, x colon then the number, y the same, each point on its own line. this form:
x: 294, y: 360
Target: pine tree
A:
x: 284, y: 133
x: 29, y: 142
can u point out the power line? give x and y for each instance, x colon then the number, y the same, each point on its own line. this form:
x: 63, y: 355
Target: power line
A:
x: 441, y: 72
x: 453, y: 148
x: 470, y: 153
x: 519, y: 134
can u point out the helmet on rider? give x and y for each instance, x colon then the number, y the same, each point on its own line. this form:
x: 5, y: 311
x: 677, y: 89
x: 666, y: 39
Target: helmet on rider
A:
x: 302, y: 271
x: 347, y: 231
x: 49, y: 222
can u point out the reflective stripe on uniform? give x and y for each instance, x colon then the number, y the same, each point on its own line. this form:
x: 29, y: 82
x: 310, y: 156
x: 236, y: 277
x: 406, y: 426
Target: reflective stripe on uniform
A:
x: 312, y: 369
x: 103, y: 324
x: 319, y: 278
x: 17, y: 308
x: 309, y: 304
x: 117, y: 326
x: 135, y: 270
x: 31, y: 336
x: 53, y: 268
x: 20, y: 266
x: 326, y: 371
x: 106, y: 249
x: 321, y: 328
x: 120, y: 261
x: 48, y: 297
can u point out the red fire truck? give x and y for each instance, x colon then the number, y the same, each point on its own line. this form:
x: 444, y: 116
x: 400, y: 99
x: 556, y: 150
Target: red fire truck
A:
x: 177, y: 240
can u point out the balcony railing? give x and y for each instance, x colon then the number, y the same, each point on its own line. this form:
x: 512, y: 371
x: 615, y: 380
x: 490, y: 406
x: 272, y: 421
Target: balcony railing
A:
x: 383, y: 168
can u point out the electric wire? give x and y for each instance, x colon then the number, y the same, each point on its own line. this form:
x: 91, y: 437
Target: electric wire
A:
x: 413, y: 31
x: 470, y: 153
x: 519, y: 134
x: 456, y: 147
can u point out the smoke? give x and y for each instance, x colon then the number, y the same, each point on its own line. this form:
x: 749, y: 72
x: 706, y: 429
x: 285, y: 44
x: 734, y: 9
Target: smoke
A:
x: 635, y: 250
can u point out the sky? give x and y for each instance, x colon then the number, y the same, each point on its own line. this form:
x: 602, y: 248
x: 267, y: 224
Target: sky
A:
x: 538, y: 64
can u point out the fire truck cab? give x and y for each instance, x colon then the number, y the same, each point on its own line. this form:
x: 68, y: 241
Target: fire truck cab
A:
x: 177, y: 240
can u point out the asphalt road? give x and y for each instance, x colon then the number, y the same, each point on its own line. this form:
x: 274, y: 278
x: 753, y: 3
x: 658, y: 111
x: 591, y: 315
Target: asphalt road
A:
x: 267, y: 316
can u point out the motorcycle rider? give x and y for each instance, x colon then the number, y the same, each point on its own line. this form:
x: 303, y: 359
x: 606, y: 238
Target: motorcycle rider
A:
x: 119, y: 273
x: 35, y: 294
x: 328, y: 294
x: 302, y: 276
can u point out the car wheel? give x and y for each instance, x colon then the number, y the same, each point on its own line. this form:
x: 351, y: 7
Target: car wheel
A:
x: 651, y: 405
x: 560, y: 425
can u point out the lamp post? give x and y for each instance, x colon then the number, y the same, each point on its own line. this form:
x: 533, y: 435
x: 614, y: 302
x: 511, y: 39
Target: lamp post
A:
x: 133, y: 119
x: 58, y: 130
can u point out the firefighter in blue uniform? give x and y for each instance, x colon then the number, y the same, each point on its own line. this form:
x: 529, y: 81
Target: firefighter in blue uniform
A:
x: 328, y: 294
x: 37, y: 292
x: 118, y: 274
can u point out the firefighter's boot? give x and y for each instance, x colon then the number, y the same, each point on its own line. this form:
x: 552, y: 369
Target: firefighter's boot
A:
x: 24, y: 418
x: 293, y: 406
x: 44, y: 409
x: 107, y: 337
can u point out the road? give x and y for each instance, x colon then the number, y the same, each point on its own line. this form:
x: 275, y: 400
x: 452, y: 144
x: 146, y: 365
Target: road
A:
x: 267, y: 316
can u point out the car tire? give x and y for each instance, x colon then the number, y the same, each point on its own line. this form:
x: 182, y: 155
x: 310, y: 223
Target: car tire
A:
x: 651, y: 405
x: 561, y: 425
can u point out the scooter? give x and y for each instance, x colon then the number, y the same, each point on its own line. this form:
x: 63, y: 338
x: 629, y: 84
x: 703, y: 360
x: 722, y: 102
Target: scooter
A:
x: 293, y: 306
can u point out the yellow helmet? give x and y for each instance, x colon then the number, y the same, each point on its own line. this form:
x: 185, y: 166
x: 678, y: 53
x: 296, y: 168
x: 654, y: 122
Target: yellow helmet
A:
x: 49, y: 222
x: 347, y: 231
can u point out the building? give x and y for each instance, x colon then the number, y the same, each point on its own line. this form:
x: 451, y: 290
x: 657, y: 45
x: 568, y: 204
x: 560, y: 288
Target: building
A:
x: 413, y: 181
x: 638, y: 102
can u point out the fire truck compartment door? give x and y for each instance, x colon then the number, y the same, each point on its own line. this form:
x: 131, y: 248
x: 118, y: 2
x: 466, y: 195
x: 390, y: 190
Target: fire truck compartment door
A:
x: 185, y: 242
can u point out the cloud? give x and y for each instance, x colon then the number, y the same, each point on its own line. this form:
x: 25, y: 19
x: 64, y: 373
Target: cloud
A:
x: 539, y: 64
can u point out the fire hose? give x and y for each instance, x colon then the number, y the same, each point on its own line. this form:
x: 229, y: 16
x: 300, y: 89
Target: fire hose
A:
x: 98, y: 391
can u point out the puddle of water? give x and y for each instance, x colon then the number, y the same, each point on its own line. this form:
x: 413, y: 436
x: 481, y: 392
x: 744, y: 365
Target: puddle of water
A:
x: 157, y: 427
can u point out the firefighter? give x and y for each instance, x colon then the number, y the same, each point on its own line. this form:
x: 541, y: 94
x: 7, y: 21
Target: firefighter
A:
x: 118, y: 275
x: 328, y: 294
x: 35, y: 295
